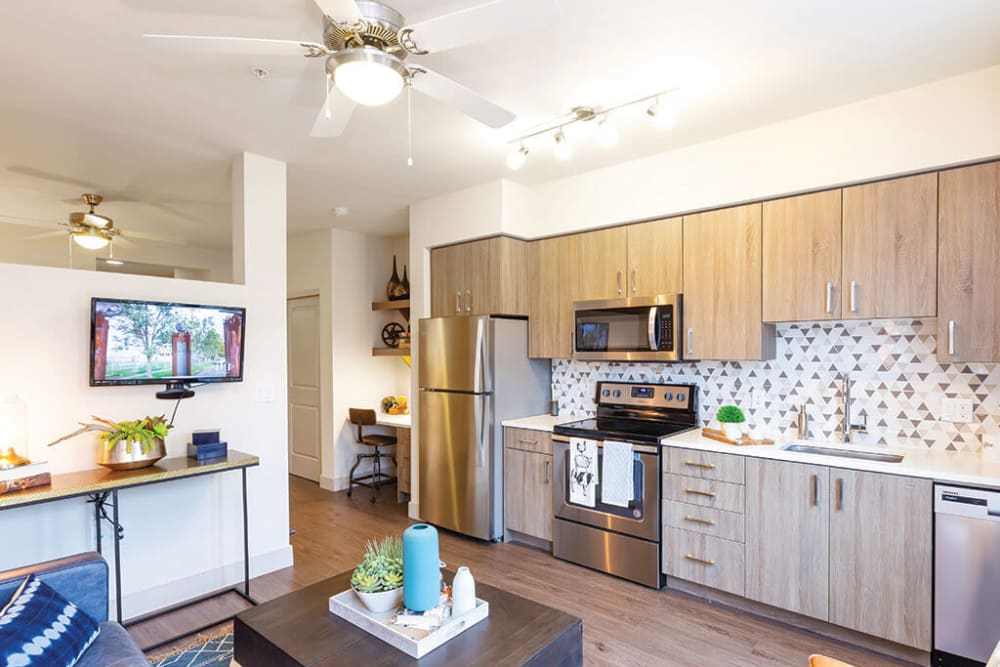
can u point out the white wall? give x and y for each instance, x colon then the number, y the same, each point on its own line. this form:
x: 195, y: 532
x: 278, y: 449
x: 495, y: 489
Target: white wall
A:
x: 182, y: 538
x: 946, y: 122
x: 349, y: 270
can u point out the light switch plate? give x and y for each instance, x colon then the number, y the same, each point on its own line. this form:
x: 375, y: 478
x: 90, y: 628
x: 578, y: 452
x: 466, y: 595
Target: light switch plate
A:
x: 265, y: 392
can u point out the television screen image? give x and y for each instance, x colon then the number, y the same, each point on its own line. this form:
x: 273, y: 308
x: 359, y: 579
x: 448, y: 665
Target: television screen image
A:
x: 148, y: 342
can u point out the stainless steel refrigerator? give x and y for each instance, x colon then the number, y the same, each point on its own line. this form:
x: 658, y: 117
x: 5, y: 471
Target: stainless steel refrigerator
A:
x: 474, y: 372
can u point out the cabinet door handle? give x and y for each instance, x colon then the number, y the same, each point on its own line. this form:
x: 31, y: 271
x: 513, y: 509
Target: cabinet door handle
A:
x: 635, y: 286
x: 696, y: 464
x: 854, y: 296
x: 694, y: 519
x: 468, y: 301
x: 619, y: 281
x: 699, y: 492
x: 840, y: 494
x: 829, y: 298
x: 458, y: 302
x: 547, y: 463
x: 951, y: 337
x: 528, y: 442
x: 703, y: 561
x: 813, y: 490
x: 690, y: 341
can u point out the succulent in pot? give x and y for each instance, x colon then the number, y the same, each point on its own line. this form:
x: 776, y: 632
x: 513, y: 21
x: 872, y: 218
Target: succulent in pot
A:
x: 127, y: 445
x: 732, y: 420
x: 378, y: 578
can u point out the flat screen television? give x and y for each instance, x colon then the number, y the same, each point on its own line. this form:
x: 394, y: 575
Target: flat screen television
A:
x: 177, y: 344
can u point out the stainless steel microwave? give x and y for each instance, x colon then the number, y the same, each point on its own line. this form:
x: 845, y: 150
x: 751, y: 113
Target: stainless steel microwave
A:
x: 635, y: 329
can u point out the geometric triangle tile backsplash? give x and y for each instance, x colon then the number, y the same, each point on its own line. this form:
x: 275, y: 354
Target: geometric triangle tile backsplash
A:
x: 896, y: 382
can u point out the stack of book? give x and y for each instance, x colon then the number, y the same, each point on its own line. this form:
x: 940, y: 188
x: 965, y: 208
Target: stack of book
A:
x: 206, y: 445
x: 24, y: 477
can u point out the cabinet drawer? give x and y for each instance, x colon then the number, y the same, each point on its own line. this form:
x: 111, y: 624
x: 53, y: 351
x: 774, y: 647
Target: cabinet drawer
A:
x: 707, y: 465
x: 704, y: 492
x: 698, y: 519
x: 528, y: 440
x: 705, y: 560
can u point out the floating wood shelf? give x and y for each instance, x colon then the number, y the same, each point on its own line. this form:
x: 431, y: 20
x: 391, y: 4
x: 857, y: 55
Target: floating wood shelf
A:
x: 390, y: 352
x: 391, y: 305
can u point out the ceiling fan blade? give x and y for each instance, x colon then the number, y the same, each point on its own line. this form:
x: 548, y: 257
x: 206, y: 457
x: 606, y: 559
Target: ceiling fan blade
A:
x: 45, y: 235
x: 341, y: 11
x: 482, y: 23
x: 126, y: 236
x: 341, y: 109
x: 123, y: 242
x: 239, y: 46
x: 28, y: 222
x: 467, y: 101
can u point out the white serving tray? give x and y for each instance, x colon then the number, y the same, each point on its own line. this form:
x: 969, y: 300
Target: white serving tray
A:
x: 349, y: 607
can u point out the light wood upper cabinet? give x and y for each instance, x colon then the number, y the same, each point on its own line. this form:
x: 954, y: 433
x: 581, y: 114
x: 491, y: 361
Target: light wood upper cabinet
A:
x: 968, y: 271
x: 527, y: 486
x: 485, y: 277
x: 890, y: 248
x: 880, y: 555
x: 555, y: 276
x: 601, y: 264
x: 788, y: 536
x: 722, y: 286
x: 802, y: 257
x: 655, y: 260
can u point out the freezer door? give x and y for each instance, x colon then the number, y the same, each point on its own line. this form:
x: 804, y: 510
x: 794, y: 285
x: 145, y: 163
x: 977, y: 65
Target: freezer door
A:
x: 455, y: 354
x: 457, y: 467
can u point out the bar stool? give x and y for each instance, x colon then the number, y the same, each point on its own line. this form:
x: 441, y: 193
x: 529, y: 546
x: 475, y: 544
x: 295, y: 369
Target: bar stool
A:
x: 361, y: 418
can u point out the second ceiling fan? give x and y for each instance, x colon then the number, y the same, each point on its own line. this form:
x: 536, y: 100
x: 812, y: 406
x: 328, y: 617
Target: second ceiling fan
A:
x: 366, y: 45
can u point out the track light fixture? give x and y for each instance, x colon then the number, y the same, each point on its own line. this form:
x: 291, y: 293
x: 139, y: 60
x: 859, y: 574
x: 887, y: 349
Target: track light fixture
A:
x: 663, y: 113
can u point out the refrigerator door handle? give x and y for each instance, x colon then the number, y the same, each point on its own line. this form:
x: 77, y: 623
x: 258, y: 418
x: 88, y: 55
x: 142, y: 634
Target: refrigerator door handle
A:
x: 480, y: 418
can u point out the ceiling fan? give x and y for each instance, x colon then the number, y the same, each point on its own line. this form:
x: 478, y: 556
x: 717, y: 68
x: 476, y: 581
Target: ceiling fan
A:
x: 366, y: 44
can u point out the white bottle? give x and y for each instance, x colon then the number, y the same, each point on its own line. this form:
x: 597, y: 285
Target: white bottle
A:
x: 463, y: 592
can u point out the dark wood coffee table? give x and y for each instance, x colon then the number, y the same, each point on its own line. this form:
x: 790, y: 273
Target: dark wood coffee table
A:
x: 298, y: 630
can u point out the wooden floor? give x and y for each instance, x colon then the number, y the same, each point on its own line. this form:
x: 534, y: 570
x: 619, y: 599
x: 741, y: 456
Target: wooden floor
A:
x: 624, y: 624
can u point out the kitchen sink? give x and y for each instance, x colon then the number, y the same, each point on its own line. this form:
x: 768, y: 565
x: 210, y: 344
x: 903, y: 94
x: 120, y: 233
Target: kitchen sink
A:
x: 804, y: 448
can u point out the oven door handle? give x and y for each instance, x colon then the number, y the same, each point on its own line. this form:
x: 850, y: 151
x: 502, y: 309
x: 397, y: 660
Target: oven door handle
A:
x: 652, y: 329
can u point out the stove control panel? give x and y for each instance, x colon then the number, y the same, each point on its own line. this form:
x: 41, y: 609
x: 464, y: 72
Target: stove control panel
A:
x: 673, y: 396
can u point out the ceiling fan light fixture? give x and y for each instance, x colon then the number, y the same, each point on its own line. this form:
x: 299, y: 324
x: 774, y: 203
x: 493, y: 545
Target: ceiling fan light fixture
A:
x: 91, y: 239
x: 517, y: 157
x: 367, y: 76
x: 562, y: 150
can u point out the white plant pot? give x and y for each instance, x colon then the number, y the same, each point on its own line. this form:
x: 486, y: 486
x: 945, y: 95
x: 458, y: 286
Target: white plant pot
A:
x: 733, y: 431
x: 384, y: 601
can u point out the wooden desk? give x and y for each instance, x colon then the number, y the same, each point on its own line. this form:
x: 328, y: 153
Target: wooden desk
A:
x: 402, y: 425
x: 298, y: 629
x: 101, y: 487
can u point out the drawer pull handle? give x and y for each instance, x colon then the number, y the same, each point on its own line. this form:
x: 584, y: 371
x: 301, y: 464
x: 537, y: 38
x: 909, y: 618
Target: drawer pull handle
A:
x: 694, y: 519
x: 528, y: 442
x: 695, y: 464
x: 699, y: 492
x: 703, y: 561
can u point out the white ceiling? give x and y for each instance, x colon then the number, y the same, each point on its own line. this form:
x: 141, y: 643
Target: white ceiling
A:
x: 87, y: 103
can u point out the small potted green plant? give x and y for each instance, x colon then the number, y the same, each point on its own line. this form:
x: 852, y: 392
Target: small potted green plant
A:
x: 127, y: 445
x: 732, y: 420
x: 378, y: 578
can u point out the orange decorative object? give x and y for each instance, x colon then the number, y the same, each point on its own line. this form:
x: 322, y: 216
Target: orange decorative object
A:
x: 823, y: 661
x: 10, y: 459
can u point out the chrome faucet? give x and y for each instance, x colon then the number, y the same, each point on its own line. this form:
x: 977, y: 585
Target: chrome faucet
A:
x: 847, y: 427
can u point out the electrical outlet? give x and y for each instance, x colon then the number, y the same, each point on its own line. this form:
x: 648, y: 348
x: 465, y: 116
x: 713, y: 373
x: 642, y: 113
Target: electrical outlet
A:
x: 956, y: 410
x: 756, y: 399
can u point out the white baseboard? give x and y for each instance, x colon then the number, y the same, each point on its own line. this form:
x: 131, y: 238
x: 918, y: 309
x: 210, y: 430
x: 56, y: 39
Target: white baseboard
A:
x: 327, y: 483
x: 158, y: 597
x: 413, y: 509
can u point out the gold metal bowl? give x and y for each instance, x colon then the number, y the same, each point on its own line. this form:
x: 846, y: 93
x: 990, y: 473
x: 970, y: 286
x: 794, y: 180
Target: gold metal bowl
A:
x: 118, y: 458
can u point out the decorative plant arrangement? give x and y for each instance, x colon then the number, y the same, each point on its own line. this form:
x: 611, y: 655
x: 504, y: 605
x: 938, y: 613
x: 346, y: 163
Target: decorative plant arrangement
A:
x: 127, y: 444
x: 732, y: 419
x: 378, y: 578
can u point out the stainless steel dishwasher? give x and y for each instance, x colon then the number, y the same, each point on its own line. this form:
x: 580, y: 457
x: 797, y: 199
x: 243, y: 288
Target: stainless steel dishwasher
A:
x: 966, y: 575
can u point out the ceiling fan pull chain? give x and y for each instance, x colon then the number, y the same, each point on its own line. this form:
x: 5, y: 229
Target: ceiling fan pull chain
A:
x: 409, y: 123
x: 70, y: 251
x: 328, y: 114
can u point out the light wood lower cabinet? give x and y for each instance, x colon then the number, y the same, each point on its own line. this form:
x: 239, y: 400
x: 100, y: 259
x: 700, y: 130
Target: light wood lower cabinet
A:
x: 703, y: 559
x: 403, y: 460
x: 527, y: 487
x: 881, y: 555
x: 788, y: 536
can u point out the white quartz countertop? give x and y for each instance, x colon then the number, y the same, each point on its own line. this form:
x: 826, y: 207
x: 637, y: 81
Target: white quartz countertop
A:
x: 541, y: 422
x: 967, y: 468
x: 385, y: 419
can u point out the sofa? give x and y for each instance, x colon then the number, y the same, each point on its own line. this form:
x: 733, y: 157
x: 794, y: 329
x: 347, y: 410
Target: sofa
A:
x: 83, y: 580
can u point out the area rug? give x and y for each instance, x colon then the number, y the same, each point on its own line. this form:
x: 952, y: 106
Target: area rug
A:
x: 216, y: 652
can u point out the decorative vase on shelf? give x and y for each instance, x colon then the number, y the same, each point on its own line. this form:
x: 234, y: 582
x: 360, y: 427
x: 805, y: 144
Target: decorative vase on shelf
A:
x: 395, y: 290
x: 406, y: 282
x: 125, y: 455
x: 421, y: 568
x: 463, y: 592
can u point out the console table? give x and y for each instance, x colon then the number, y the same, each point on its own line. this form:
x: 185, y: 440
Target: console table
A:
x: 101, y: 487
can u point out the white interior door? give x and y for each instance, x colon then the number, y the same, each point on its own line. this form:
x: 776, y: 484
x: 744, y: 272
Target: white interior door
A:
x: 304, y: 396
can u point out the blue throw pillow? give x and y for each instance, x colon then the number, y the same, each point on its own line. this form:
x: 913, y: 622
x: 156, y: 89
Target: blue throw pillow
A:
x: 39, y: 628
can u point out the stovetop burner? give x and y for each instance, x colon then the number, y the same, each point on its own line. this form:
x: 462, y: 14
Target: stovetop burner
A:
x: 636, y: 412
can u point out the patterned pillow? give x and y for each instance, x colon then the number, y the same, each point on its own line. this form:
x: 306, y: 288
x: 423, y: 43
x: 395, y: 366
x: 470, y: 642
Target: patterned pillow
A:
x: 39, y: 627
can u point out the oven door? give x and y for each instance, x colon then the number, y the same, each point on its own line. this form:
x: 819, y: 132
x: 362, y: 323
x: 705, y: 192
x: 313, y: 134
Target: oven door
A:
x: 636, y: 329
x: 640, y: 519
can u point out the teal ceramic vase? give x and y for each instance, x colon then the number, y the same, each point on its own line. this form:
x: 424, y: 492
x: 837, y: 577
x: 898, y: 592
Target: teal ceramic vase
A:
x: 421, y: 568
